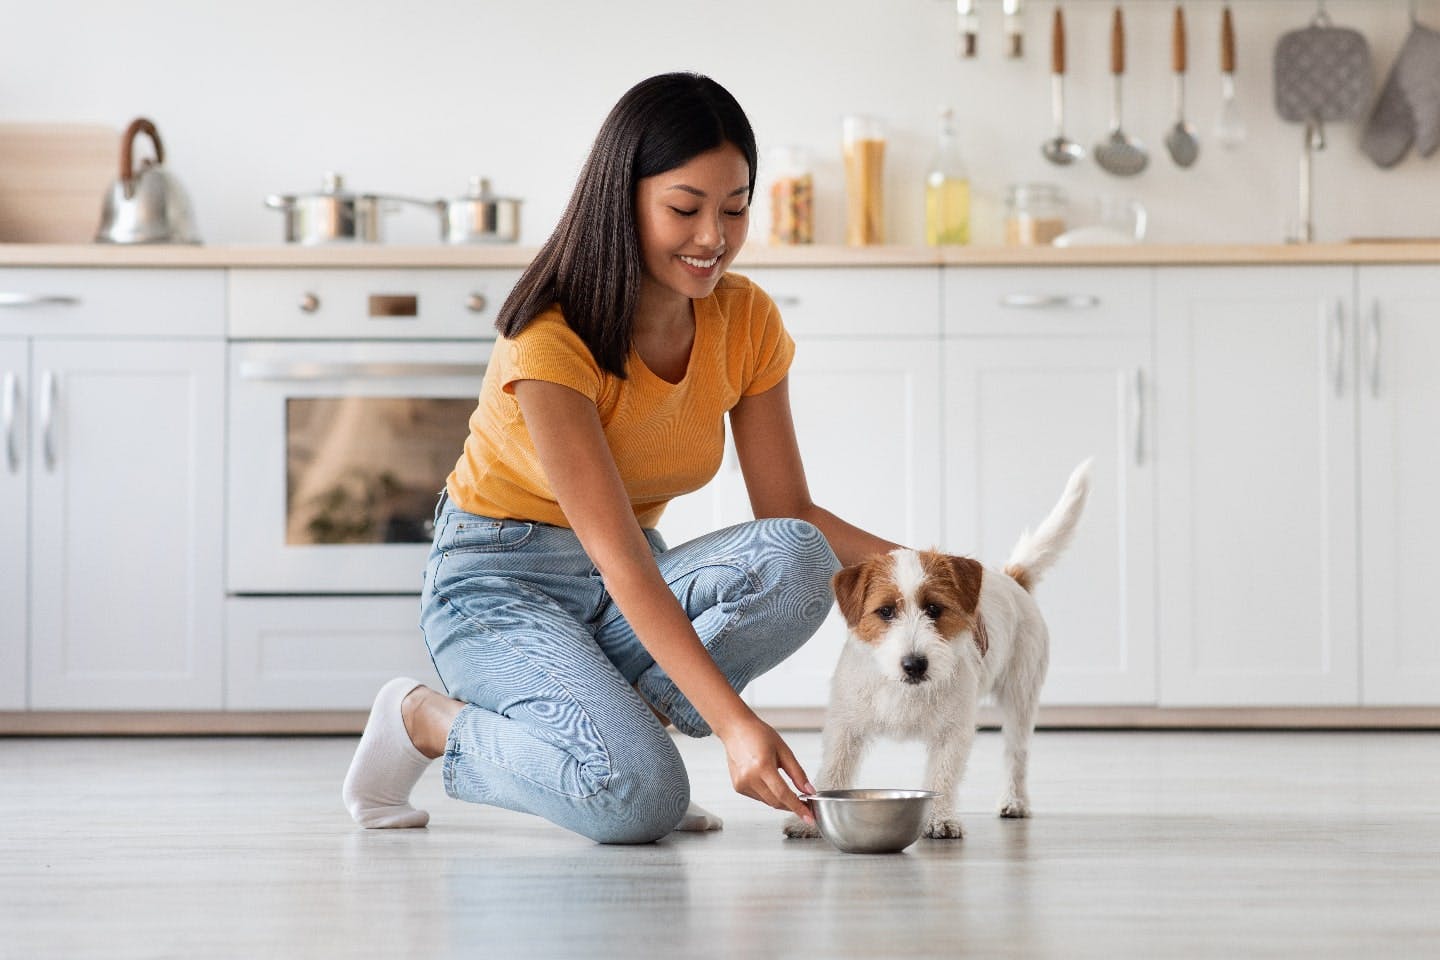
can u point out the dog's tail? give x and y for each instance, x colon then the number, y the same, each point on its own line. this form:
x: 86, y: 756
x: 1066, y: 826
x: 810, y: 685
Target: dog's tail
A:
x: 1036, y: 552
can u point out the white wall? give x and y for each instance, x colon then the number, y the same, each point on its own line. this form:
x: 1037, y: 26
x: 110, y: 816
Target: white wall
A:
x: 264, y: 96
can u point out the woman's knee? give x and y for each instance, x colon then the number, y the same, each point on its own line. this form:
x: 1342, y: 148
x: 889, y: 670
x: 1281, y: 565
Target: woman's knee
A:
x: 643, y: 802
x: 797, y: 559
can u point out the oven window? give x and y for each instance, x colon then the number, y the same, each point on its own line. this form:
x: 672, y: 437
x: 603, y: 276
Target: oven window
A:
x: 368, y: 469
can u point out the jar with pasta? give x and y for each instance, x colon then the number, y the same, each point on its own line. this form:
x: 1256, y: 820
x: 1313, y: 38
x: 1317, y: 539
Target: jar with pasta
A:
x: 792, y: 197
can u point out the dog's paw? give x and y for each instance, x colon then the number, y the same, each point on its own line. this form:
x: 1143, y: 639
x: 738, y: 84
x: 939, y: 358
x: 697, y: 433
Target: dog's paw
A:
x: 798, y: 829
x: 1014, y: 809
x: 944, y: 828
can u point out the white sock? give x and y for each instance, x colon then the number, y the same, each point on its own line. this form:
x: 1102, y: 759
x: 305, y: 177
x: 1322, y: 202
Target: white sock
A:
x: 386, y: 765
x: 697, y: 820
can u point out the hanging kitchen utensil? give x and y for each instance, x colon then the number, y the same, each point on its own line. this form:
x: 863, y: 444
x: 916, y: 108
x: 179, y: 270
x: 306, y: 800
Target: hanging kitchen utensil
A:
x: 147, y: 204
x: 1117, y: 153
x: 1014, y: 26
x: 968, y: 26
x: 1180, y: 141
x: 1417, y: 71
x: 1229, y: 125
x: 1059, y: 149
x: 1390, y: 130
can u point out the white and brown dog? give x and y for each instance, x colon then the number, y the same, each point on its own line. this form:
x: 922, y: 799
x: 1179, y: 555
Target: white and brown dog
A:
x: 930, y: 635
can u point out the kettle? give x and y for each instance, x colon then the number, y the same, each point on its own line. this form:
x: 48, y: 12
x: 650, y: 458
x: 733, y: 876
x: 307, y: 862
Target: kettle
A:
x: 146, y: 205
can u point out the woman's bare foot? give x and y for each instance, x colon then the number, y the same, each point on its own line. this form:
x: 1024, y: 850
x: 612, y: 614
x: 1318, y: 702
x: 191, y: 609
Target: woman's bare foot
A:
x: 428, y: 716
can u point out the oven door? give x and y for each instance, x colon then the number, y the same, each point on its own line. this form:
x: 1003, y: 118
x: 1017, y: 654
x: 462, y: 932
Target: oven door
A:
x: 338, y: 452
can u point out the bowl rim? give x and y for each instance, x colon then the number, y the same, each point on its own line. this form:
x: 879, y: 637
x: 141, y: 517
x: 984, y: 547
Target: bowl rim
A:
x: 857, y: 794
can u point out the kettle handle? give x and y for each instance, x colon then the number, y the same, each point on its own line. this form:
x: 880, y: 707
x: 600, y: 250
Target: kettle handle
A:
x: 127, y: 146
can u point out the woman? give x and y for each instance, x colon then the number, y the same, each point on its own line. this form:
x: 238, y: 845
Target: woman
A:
x: 566, y: 632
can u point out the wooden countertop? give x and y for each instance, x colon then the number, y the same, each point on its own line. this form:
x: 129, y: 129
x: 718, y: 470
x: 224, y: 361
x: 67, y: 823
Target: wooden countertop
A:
x: 757, y: 255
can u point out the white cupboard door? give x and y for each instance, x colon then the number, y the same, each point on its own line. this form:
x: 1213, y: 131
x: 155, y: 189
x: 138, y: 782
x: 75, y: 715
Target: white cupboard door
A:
x: 1020, y: 415
x: 1256, y: 414
x: 14, y: 525
x: 127, y: 459
x: 1400, y: 484
x: 867, y: 414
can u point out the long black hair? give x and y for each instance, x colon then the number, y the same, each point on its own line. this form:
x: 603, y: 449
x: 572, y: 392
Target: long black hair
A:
x: 591, y: 264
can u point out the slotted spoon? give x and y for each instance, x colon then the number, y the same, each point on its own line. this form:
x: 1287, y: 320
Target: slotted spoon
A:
x: 1118, y: 154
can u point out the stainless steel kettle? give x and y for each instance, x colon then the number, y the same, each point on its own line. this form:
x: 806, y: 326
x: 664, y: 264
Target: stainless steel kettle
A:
x: 147, y: 205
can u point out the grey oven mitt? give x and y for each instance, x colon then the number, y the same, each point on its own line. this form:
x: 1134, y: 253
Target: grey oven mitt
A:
x: 1390, y: 130
x: 1417, y: 71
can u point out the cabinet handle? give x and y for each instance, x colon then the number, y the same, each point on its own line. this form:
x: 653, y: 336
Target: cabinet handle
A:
x: 37, y: 300
x: 1050, y: 301
x: 9, y: 404
x: 786, y: 300
x: 1373, y: 348
x: 308, y: 372
x: 1138, y: 416
x: 49, y: 399
x: 1337, y: 348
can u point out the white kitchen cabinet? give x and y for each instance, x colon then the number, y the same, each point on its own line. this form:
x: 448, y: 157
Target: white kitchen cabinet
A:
x: 1399, y: 393
x: 1044, y: 369
x: 867, y: 414
x: 14, y: 523
x: 1256, y: 456
x: 123, y: 452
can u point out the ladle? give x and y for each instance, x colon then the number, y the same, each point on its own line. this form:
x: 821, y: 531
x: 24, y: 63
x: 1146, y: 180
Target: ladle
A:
x: 1117, y: 153
x: 1181, y: 141
x: 1059, y: 149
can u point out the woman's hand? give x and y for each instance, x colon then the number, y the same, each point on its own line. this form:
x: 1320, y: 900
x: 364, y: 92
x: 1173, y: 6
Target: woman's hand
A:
x: 757, y: 755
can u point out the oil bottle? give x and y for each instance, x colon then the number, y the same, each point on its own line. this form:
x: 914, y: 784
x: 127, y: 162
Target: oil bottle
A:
x: 947, y: 189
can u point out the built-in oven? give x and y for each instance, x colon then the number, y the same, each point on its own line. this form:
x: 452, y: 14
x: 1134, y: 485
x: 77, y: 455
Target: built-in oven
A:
x: 350, y: 394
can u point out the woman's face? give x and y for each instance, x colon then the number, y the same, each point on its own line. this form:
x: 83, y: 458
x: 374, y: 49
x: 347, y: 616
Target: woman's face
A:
x: 692, y: 221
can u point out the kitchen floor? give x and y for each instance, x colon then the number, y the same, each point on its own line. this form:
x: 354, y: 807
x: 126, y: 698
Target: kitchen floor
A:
x: 1147, y: 845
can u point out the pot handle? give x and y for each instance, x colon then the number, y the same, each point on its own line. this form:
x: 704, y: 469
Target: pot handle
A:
x: 127, y: 146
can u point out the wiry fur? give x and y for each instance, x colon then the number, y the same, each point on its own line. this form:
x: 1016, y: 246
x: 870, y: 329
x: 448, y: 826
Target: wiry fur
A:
x: 943, y: 609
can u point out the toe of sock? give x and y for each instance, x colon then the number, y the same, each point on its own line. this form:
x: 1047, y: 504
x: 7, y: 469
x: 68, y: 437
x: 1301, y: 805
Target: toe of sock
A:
x: 390, y: 818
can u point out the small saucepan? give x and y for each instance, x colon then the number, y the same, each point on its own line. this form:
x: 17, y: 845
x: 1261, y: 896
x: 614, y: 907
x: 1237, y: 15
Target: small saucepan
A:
x: 330, y: 216
x: 479, y: 216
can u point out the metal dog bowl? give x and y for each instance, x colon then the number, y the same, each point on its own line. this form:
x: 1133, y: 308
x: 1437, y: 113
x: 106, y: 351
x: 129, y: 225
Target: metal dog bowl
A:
x: 870, y: 821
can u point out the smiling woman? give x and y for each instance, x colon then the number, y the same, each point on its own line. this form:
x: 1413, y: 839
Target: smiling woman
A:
x: 567, y: 633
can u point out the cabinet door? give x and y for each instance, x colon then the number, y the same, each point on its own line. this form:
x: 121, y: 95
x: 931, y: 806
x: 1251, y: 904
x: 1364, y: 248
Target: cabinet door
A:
x: 867, y: 414
x: 1399, y: 477
x: 127, y: 460
x: 1256, y: 458
x: 1019, y: 416
x: 14, y: 525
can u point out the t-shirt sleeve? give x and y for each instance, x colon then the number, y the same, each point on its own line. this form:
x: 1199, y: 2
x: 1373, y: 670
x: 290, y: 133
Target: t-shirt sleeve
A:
x: 548, y: 350
x: 772, y: 346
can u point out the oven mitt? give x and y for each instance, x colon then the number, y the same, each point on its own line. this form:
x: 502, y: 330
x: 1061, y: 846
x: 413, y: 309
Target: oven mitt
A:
x: 1391, y: 128
x: 1417, y: 70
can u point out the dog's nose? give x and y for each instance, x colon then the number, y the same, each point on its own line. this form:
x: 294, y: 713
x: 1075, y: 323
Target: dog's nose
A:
x: 914, y: 666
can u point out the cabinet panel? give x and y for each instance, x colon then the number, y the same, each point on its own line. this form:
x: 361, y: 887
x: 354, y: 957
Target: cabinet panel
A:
x: 90, y: 302
x: 864, y: 302
x: 1019, y: 416
x: 1257, y: 440
x: 320, y: 653
x: 1049, y: 301
x: 127, y: 459
x: 1399, y: 477
x: 14, y: 522
x: 867, y: 418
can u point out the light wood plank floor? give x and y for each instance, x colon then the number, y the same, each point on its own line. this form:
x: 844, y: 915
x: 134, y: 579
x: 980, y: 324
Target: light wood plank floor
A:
x: 1149, y: 845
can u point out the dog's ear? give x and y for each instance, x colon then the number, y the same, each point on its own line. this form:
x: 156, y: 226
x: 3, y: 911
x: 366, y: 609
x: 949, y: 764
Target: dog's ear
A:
x: 967, y: 575
x: 849, y: 585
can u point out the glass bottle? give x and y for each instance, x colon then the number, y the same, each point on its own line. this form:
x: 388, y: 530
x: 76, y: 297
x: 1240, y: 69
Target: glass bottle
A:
x: 947, y: 190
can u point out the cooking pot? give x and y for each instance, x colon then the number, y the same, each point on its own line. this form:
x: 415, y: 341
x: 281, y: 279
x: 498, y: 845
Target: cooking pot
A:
x: 147, y: 205
x: 330, y: 216
x: 479, y: 216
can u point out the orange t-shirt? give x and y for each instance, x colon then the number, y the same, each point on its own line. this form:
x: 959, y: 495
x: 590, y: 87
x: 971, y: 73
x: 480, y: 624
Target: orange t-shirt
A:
x: 667, y: 438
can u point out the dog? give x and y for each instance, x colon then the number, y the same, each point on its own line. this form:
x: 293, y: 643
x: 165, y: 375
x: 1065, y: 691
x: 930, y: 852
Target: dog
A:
x: 930, y: 635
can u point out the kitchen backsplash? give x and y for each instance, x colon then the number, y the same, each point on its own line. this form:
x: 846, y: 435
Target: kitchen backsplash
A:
x: 265, y: 97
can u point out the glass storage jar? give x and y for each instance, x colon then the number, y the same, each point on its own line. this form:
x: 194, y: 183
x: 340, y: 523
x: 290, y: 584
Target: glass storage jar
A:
x: 1034, y: 214
x: 792, y: 197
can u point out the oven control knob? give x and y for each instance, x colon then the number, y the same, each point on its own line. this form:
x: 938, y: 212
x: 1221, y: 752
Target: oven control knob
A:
x: 309, y: 303
x: 476, y: 303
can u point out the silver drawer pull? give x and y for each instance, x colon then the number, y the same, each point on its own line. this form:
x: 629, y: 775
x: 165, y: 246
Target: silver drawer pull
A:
x: 9, y: 414
x: 786, y: 300
x: 37, y: 300
x: 49, y: 398
x: 261, y: 370
x: 1050, y: 301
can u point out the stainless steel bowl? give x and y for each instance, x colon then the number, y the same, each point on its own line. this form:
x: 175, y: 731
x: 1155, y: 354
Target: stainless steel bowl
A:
x: 870, y: 820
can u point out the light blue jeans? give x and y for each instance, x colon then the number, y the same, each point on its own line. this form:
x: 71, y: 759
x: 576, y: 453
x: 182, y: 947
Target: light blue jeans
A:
x: 522, y: 630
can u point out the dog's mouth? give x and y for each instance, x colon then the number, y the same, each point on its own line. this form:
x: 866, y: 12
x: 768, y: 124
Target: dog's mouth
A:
x: 910, y: 681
